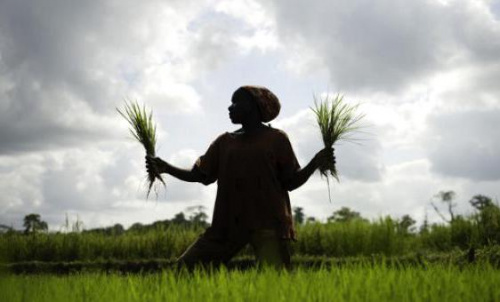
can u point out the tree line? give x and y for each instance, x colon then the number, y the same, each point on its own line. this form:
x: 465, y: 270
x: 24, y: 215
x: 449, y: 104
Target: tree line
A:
x: 486, y: 216
x: 346, y: 233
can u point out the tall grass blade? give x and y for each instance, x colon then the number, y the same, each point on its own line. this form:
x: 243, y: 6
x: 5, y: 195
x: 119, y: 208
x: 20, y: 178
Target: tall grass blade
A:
x: 336, y: 121
x: 143, y: 129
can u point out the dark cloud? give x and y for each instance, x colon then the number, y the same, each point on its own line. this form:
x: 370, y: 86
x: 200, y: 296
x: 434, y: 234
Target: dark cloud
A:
x: 465, y: 144
x: 65, y: 65
x: 386, y: 45
x: 47, y: 74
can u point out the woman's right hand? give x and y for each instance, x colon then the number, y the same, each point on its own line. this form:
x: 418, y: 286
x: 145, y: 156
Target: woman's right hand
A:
x: 155, y: 165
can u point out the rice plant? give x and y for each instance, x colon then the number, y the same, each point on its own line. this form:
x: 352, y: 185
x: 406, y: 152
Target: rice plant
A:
x: 143, y: 129
x: 337, y: 121
x: 351, y: 282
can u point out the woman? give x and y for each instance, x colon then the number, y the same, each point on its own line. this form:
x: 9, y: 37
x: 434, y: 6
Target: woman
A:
x: 254, y: 167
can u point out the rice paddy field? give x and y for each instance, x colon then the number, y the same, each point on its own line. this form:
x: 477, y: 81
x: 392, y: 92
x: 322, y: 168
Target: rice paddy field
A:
x: 355, y: 261
x: 356, y: 238
x: 357, y: 282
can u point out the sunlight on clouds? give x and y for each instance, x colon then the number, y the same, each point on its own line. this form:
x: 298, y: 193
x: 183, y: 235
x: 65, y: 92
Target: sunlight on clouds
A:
x: 407, y: 188
x: 301, y: 59
x: 20, y: 181
x: 380, y: 114
x: 85, y: 120
x: 446, y: 2
x: 170, y: 97
x: 468, y: 88
x: 249, y: 11
x: 263, y: 40
x: 361, y: 161
x: 184, y: 158
x: 134, y: 185
x: 262, y: 35
x: 162, y: 69
x: 129, y: 212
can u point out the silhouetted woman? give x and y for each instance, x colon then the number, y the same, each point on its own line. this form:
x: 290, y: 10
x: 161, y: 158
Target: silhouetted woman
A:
x: 254, y: 167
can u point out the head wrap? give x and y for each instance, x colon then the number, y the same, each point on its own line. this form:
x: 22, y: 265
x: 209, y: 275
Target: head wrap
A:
x: 269, y: 105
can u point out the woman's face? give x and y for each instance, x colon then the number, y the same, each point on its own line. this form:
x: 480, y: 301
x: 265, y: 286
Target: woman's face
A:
x: 242, y: 107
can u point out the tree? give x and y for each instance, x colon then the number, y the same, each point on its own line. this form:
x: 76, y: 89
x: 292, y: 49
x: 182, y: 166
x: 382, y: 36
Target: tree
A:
x: 345, y: 215
x: 447, y: 198
x: 136, y: 227
x: 480, y: 202
x: 310, y: 219
x: 117, y: 229
x: 199, y: 218
x: 77, y: 225
x: 198, y: 215
x: 179, y: 218
x: 33, y: 224
x: 424, y: 228
x: 298, y: 215
x: 406, y: 224
x: 488, y: 218
x: 5, y: 228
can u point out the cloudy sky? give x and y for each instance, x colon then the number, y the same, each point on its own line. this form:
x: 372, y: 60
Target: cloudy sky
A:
x: 426, y: 73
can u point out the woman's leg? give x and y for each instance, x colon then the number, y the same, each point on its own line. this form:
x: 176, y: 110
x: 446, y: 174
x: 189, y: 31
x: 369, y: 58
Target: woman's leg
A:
x: 270, y: 249
x: 206, y: 250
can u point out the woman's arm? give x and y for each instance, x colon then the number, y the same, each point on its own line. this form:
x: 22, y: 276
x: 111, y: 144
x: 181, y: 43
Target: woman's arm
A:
x: 161, y: 166
x: 301, y: 176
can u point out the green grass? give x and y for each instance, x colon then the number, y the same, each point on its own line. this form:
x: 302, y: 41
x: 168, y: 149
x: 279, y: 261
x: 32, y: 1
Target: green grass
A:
x: 143, y: 129
x: 358, y: 282
x: 159, y: 243
x: 336, y: 239
x: 337, y: 121
x: 356, y: 238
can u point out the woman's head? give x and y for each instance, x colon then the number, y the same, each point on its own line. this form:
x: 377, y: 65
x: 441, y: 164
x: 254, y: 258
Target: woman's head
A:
x: 243, y: 108
x: 254, y: 100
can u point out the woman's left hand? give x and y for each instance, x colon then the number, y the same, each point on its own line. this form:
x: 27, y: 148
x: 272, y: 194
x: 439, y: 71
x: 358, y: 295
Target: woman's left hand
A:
x: 324, y: 157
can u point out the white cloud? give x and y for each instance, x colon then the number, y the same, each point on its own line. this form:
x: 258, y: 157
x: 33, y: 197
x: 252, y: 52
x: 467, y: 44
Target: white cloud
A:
x: 407, y: 188
x: 465, y: 144
x: 20, y: 187
x: 259, y: 28
x: 98, y: 183
x: 354, y: 161
x: 250, y: 12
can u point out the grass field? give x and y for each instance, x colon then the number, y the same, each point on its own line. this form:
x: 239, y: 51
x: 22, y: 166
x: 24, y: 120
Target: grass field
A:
x: 350, y: 261
x: 356, y: 238
x: 357, y: 282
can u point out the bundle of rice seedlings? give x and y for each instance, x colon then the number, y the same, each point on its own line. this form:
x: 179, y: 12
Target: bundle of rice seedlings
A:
x: 337, y: 121
x: 143, y: 130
